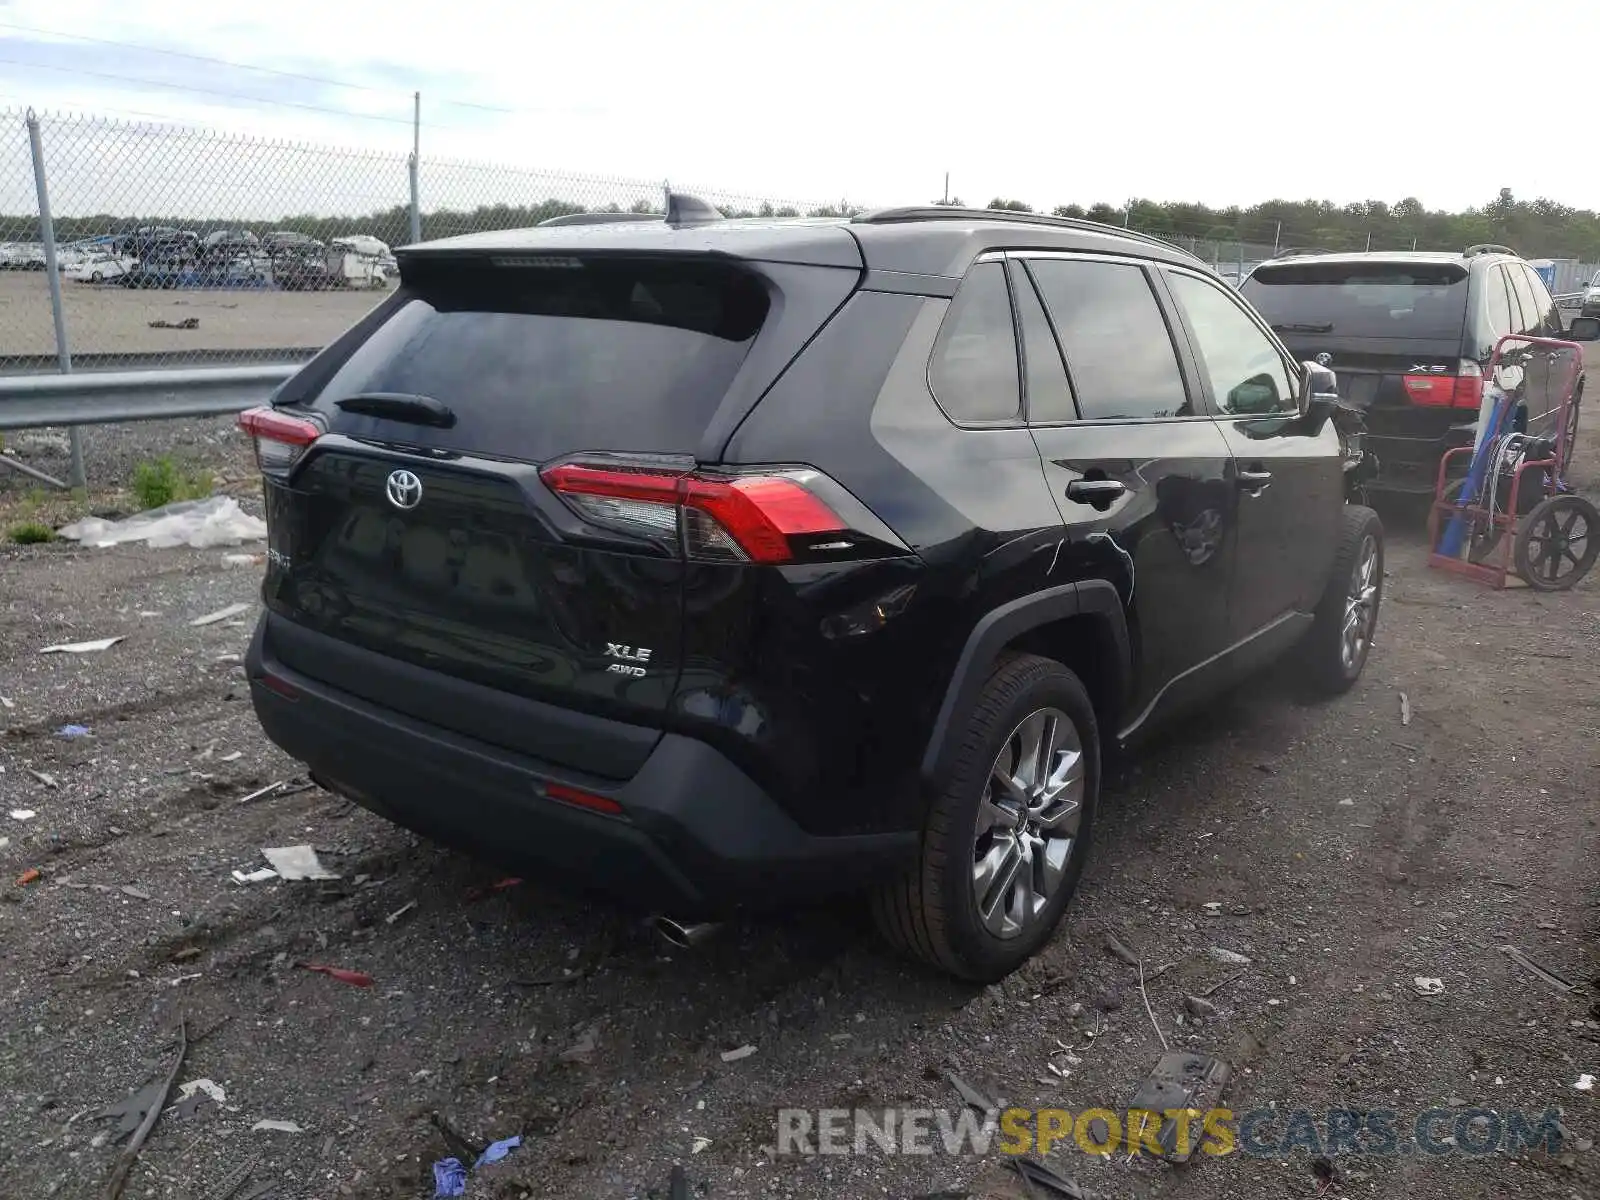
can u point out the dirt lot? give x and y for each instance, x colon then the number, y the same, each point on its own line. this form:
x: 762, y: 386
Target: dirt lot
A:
x: 105, y: 319
x: 1348, y: 852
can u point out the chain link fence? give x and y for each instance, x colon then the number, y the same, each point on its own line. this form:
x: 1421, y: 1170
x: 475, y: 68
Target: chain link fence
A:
x: 182, y: 247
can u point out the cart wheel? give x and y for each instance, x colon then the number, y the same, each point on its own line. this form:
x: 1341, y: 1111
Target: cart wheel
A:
x: 1558, y: 542
x: 1484, y: 535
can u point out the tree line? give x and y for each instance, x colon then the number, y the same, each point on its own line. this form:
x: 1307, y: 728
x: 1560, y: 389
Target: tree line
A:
x: 1537, y: 229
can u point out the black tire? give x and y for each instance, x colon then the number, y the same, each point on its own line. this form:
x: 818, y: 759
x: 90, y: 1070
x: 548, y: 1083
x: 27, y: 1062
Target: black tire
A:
x: 1329, y: 670
x: 1544, y: 555
x: 931, y: 913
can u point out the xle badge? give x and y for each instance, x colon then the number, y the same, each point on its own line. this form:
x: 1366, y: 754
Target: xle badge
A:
x: 632, y: 660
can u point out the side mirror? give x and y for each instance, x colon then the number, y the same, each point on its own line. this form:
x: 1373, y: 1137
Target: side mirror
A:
x: 1319, y: 394
x: 1584, y: 329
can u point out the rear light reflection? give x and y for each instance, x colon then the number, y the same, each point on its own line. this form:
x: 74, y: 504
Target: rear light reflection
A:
x: 582, y: 799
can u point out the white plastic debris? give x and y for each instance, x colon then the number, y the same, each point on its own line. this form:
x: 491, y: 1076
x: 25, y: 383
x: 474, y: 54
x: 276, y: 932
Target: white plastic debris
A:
x: 243, y: 560
x: 209, y: 1087
x: 222, y: 614
x: 700, y: 1144
x: 1585, y: 1083
x: 1405, y: 709
x: 5, y: 702
x: 23, y: 814
x: 296, y: 862
x: 234, y: 757
x: 82, y: 647
x: 261, y: 876
x: 4, y: 842
x: 214, y: 521
x: 270, y: 1126
x: 1428, y: 987
x: 1231, y: 957
x: 735, y: 1055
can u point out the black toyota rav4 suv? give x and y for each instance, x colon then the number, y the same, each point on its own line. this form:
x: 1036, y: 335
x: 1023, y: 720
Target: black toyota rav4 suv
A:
x: 714, y: 563
x: 1410, y: 336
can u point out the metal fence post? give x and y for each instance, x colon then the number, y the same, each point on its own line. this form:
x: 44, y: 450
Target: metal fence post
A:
x: 416, y: 167
x: 52, y: 269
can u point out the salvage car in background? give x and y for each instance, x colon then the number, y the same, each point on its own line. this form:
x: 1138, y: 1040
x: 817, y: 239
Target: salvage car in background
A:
x: 100, y: 268
x: 1410, y: 336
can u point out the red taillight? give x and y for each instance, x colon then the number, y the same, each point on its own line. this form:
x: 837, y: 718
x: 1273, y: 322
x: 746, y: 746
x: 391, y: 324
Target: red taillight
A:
x: 740, y: 518
x: 280, y: 438
x: 1462, y: 390
x: 572, y: 795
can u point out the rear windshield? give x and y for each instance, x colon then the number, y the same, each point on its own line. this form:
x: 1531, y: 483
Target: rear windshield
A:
x: 1380, y: 300
x: 541, y: 357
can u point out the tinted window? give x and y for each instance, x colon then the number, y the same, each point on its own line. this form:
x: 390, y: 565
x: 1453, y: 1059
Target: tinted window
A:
x: 1246, y: 371
x: 1118, y: 349
x: 974, y: 368
x: 540, y: 362
x: 1549, y: 319
x: 1497, y: 305
x: 1361, y: 299
x: 1049, y: 395
x: 1532, y: 319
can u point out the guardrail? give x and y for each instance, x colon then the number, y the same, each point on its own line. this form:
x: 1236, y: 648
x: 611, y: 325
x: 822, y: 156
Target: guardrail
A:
x: 95, y: 397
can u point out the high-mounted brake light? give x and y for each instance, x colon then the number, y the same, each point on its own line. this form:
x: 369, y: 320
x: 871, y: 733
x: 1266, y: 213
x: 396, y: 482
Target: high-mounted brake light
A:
x: 279, y: 437
x: 736, y: 518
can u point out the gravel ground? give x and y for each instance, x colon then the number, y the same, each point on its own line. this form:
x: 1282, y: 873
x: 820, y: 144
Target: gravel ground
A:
x: 1346, y: 851
x: 104, y: 319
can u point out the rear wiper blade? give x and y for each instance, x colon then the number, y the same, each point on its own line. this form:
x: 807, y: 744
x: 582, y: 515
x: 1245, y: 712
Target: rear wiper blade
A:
x: 401, y: 406
x: 1323, y: 327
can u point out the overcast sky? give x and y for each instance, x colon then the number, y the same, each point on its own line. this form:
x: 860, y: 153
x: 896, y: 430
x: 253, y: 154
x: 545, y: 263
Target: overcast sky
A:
x: 1046, y: 102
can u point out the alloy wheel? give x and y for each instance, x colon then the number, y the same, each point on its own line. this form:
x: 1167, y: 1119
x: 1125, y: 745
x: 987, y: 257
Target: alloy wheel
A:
x: 1360, y: 606
x: 1028, y: 821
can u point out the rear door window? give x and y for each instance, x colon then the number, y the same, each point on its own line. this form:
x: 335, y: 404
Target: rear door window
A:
x: 1119, y: 352
x: 1549, y: 317
x: 1531, y: 320
x: 540, y: 361
x: 1497, y: 303
x: 1361, y: 299
x: 973, y: 372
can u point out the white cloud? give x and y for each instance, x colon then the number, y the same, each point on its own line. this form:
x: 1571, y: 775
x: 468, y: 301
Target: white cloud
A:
x: 1050, y: 103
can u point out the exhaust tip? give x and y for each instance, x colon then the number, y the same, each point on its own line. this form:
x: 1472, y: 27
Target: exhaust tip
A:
x: 683, y: 936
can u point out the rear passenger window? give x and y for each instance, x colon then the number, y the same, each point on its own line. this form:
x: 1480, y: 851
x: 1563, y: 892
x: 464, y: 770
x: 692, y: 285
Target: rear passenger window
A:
x: 1496, y: 303
x: 1549, y: 319
x: 974, y: 369
x: 1048, y: 393
x: 1118, y: 350
x: 1532, y: 319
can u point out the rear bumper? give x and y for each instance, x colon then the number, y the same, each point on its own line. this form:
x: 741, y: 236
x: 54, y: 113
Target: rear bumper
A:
x: 697, y: 837
x: 1411, y: 463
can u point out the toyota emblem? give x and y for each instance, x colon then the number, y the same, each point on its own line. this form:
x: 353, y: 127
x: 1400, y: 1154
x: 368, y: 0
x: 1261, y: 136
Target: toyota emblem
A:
x: 404, y: 489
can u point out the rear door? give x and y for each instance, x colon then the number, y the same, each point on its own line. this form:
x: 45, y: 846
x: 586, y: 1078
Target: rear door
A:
x: 419, y: 527
x: 1290, y: 483
x: 1137, y: 468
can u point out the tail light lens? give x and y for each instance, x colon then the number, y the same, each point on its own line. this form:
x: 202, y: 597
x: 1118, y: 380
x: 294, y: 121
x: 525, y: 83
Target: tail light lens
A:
x: 735, y: 518
x: 1464, y: 389
x: 280, y: 438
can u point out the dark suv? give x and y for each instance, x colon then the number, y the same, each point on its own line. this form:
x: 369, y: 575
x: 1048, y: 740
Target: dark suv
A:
x: 718, y: 563
x: 1410, y: 336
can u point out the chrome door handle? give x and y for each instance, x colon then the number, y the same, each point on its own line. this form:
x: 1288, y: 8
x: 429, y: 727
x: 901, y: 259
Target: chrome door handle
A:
x: 1254, y: 482
x: 1088, y: 491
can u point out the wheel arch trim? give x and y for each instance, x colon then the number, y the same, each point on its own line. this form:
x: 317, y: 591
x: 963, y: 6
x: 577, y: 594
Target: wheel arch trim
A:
x: 1094, y: 598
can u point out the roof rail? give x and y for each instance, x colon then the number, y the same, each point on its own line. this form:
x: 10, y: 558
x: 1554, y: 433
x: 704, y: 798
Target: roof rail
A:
x: 945, y: 212
x: 1297, y: 251
x: 598, y: 218
x: 1489, y: 248
x: 690, y: 210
